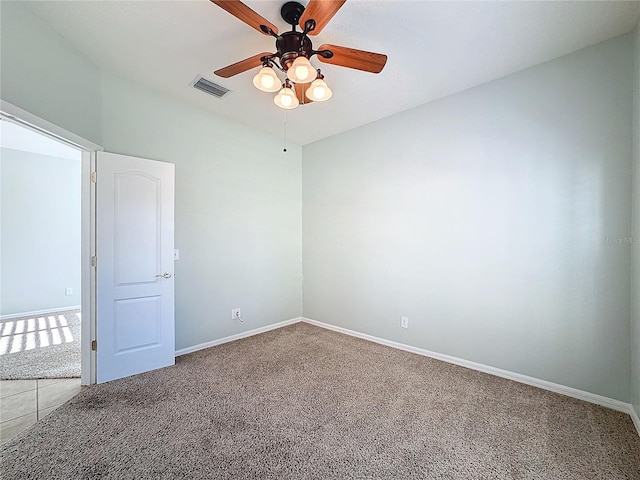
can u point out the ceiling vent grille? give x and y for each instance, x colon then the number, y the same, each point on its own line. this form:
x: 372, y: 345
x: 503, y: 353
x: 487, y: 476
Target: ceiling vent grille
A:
x: 209, y: 87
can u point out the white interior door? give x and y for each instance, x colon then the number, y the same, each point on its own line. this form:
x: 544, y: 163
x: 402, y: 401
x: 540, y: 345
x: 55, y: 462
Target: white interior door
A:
x: 134, y: 279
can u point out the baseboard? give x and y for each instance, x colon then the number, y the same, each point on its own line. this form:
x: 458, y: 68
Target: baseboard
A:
x: 535, y: 382
x: 238, y: 336
x: 635, y: 418
x: 39, y: 312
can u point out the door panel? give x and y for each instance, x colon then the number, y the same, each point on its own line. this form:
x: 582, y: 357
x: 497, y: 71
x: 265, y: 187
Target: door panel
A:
x: 134, y: 231
x: 137, y: 227
x: 137, y: 324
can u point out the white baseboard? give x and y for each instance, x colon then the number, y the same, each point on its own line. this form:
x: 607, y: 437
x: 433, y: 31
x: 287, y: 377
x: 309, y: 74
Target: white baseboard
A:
x: 237, y: 336
x: 535, y: 382
x: 38, y: 312
x: 635, y: 418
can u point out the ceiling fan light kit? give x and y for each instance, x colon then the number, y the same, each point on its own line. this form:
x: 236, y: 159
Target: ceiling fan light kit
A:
x: 318, y: 91
x: 286, y: 98
x: 267, y: 80
x: 301, y: 70
x: 304, y: 83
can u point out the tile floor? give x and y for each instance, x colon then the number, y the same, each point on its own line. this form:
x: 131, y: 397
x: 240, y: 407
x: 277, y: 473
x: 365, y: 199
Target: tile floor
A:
x: 24, y: 402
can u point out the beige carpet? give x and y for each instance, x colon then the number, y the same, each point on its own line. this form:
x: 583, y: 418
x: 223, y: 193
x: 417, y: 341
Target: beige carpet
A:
x: 306, y: 403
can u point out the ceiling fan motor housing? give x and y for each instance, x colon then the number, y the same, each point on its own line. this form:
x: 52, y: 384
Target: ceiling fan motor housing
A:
x: 291, y: 45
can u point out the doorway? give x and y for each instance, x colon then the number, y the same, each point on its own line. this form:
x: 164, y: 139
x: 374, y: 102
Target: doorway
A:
x: 89, y: 177
x: 40, y: 255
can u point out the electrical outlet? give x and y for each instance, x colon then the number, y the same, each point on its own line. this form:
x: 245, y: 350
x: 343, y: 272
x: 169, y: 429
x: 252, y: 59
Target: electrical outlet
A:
x: 68, y: 291
x: 404, y: 322
x: 235, y: 314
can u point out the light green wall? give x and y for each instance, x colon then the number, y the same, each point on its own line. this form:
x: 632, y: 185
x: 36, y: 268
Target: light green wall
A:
x: 40, y: 224
x: 42, y: 74
x: 490, y: 219
x: 635, y: 318
x: 238, y: 210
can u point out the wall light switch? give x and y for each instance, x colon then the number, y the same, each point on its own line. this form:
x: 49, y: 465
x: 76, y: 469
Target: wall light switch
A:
x: 176, y: 254
x: 404, y: 322
x: 68, y: 291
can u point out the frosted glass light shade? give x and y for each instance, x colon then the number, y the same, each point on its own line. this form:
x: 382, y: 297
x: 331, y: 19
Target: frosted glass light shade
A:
x: 267, y: 80
x: 301, y: 71
x: 286, y: 99
x: 318, y: 91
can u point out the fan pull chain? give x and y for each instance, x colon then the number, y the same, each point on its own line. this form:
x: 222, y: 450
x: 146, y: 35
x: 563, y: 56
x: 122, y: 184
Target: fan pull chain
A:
x: 285, y: 132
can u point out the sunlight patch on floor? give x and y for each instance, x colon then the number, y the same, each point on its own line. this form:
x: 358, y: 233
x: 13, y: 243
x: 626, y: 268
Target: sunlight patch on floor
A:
x: 31, y: 333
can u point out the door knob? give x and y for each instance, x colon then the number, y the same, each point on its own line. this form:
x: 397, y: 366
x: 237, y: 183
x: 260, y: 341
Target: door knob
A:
x: 164, y: 275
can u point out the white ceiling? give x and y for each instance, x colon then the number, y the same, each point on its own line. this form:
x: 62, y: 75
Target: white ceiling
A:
x: 434, y: 48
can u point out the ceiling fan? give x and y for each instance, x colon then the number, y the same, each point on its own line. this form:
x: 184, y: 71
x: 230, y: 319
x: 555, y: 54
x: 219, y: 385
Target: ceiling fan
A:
x: 304, y: 84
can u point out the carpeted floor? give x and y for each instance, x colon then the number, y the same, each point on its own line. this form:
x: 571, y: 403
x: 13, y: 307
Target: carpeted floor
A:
x: 40, y: 346
x: 302, y: 402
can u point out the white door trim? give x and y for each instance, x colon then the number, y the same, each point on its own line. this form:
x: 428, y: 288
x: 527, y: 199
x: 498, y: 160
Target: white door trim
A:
x: 88, y: 321
x: 40, y: 125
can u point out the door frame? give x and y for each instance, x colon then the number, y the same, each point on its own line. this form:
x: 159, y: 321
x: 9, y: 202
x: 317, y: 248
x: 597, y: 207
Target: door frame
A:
x: 88, y: 327
x: 26, y: 119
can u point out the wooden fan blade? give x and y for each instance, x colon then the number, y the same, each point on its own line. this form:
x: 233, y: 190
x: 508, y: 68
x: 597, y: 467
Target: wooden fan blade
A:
x: 245, y: 14
x: 352, y: 58
x: 300, y: 89
x: 242, y: 65
x: 321, y: 11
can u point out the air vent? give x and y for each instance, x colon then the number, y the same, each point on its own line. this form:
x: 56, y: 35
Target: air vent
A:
x: 209, y: 87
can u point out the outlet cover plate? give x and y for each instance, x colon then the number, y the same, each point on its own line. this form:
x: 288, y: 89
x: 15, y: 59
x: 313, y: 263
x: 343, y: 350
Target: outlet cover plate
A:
x: 404, y: 322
